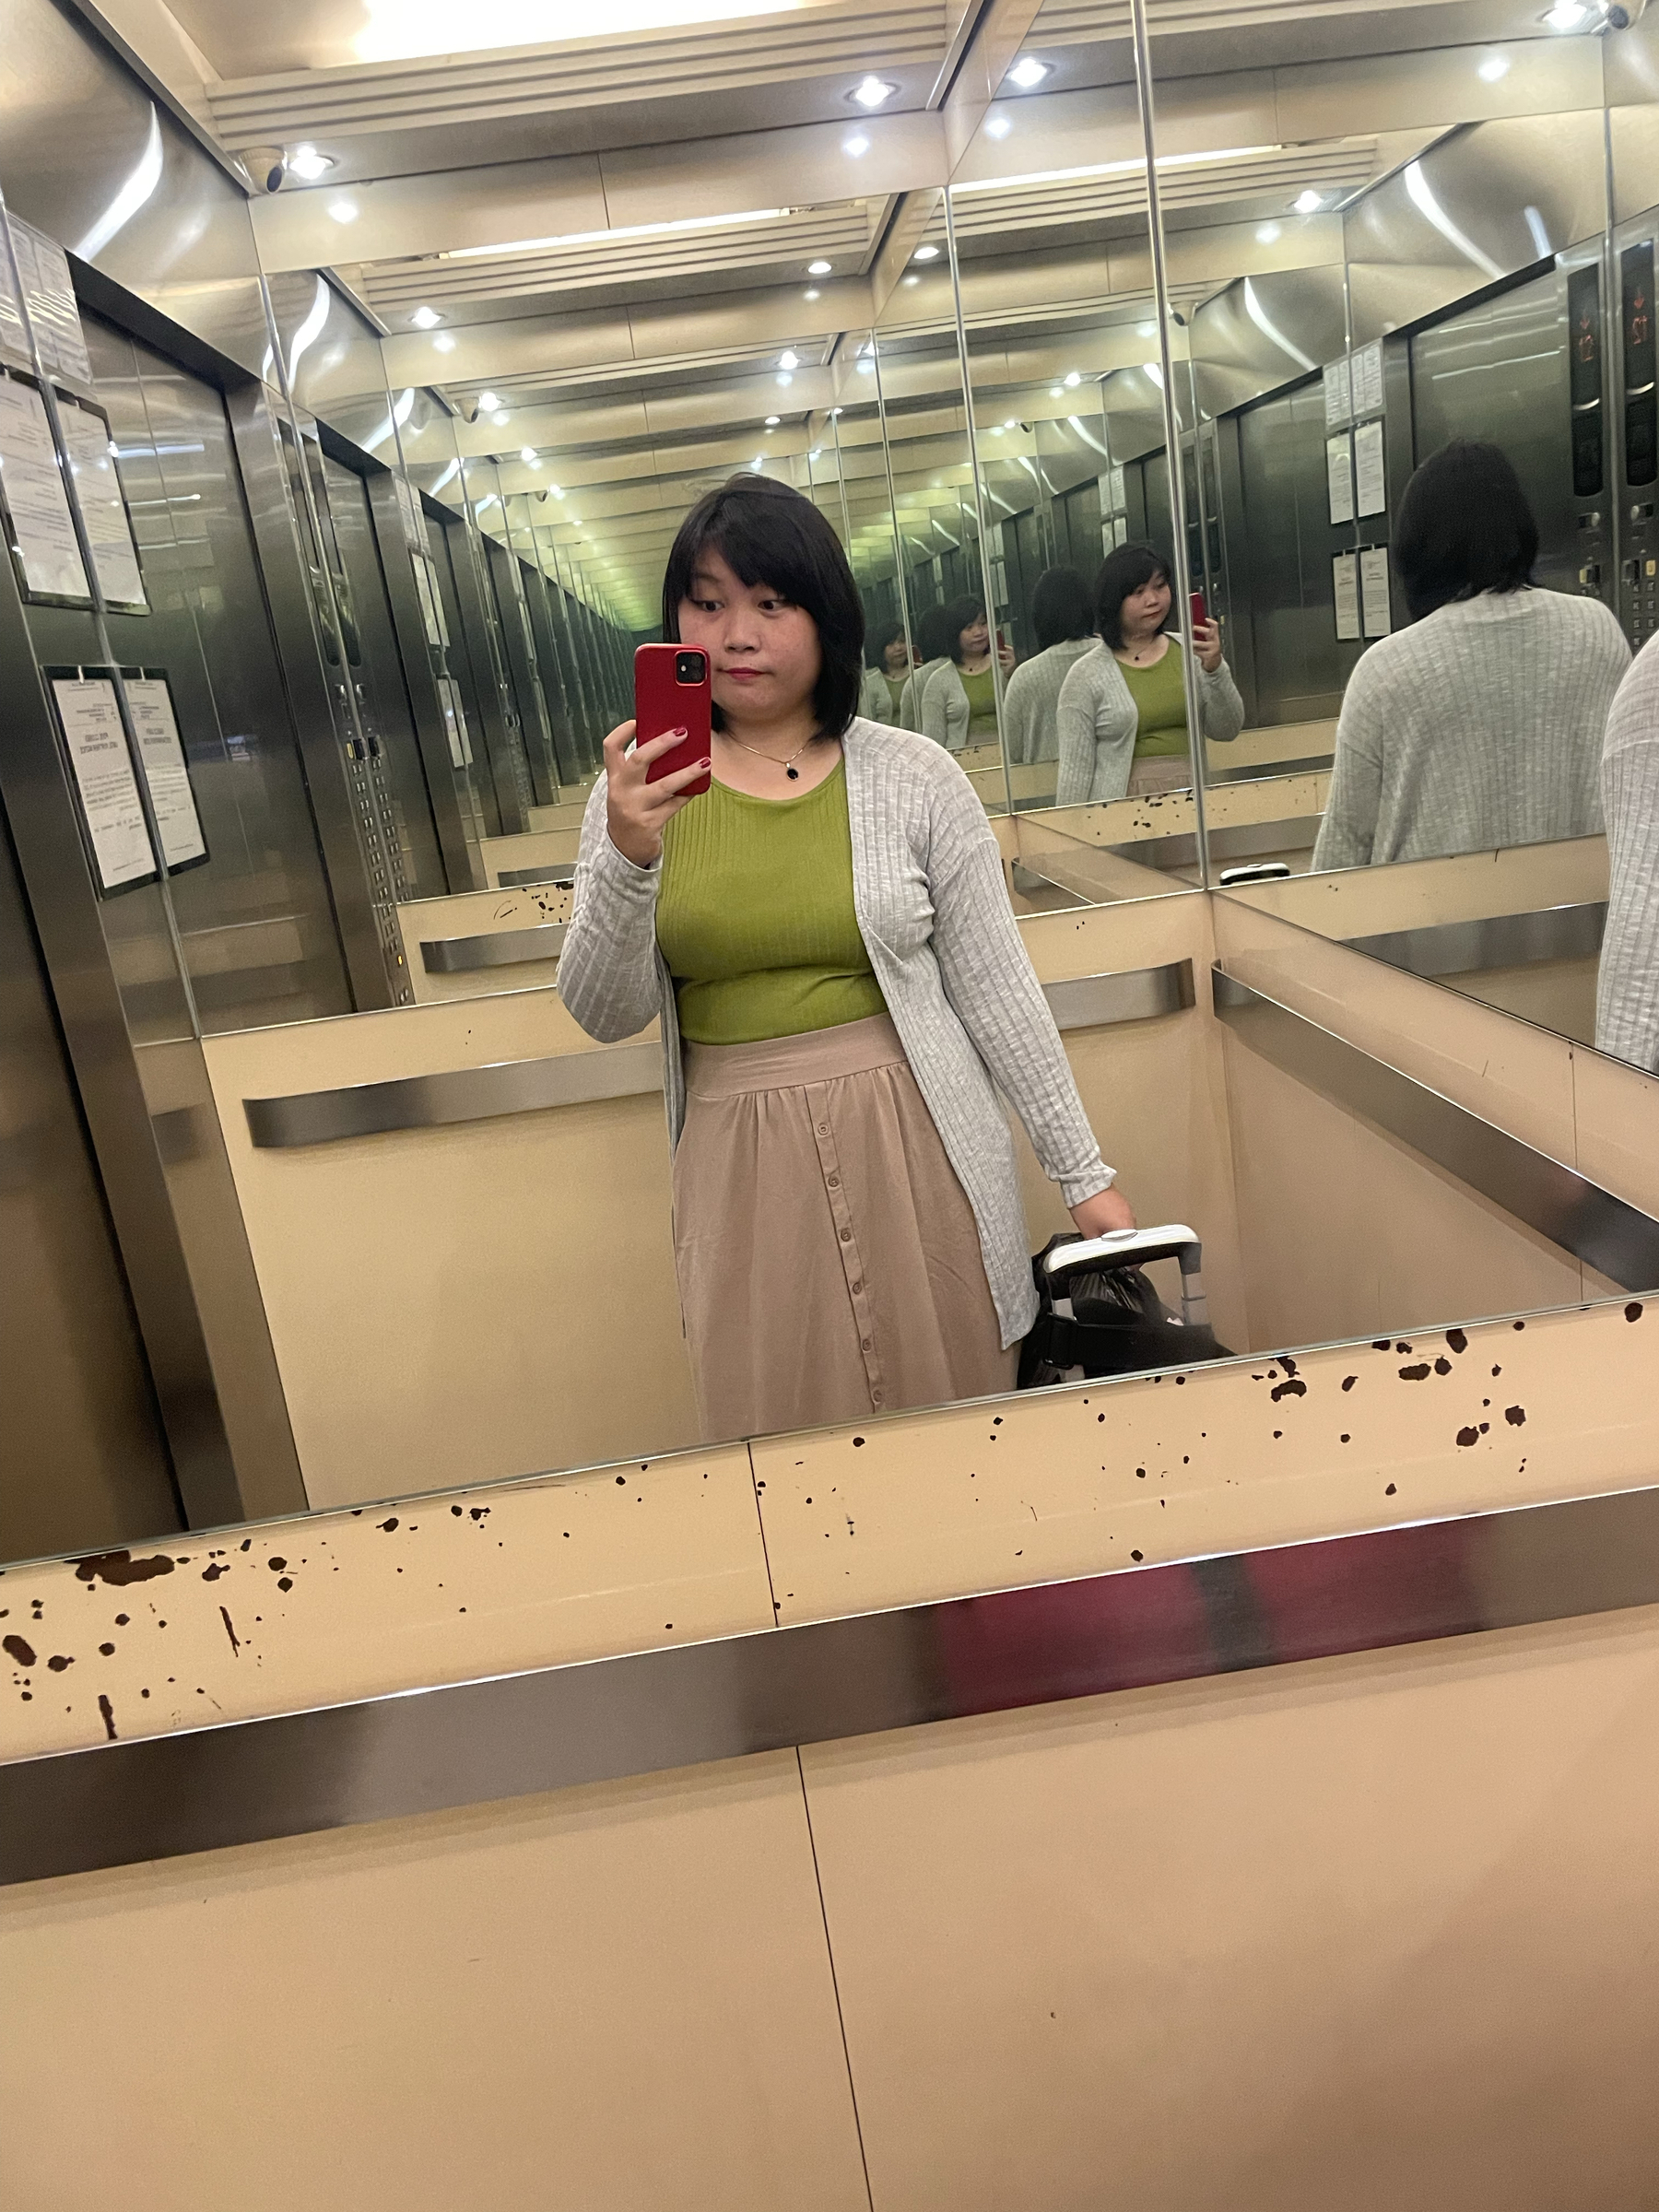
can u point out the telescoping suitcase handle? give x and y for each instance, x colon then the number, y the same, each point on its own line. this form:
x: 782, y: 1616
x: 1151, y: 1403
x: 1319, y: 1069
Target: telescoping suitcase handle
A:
x: 1132, y: 1248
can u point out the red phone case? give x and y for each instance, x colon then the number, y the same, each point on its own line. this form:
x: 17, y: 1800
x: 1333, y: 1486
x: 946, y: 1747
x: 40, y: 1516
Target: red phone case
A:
x: 1200, y: 612
x: 662, y: 702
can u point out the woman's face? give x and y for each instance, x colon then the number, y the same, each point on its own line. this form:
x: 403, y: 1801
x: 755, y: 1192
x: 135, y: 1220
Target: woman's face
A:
x: 975, y: 640
x: 897, y: 657
x: 1146, y: 609
x: 763, y: 648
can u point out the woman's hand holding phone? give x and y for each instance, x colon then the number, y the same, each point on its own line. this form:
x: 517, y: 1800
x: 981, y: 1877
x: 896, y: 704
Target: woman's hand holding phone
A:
x: 1206, y: 644
x: 637, y: 811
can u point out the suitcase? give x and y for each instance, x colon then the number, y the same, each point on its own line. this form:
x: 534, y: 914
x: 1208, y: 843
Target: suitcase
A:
x: 1098, y: 1314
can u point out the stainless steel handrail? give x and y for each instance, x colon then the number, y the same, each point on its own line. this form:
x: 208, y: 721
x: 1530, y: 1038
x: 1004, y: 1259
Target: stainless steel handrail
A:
x: 1548, y: 932
x: 1616, y: 1239
x: 476, y: 1094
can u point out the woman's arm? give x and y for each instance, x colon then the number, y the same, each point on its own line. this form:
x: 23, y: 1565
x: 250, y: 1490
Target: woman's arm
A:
x: 1627, y: 998
x: 1074, y: 736
x: 1220, y: 707
x: 607, y: 971
x: 989, y: 982
x: 935, y: 708
x: 1349, y: 832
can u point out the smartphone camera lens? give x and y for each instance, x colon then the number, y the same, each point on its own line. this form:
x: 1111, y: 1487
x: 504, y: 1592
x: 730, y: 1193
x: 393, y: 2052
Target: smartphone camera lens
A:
x: 690, y: 667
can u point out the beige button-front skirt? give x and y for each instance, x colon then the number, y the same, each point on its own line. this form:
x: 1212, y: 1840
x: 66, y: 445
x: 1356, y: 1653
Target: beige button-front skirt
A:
x: 829, y: 1261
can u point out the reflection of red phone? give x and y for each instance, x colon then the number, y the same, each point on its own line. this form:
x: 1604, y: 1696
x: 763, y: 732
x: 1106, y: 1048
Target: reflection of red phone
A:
x: 674, y: 691
x: 1200, y: 612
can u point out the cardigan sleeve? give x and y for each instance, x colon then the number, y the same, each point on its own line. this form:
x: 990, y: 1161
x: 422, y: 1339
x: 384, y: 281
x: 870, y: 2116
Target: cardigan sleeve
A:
x: 991, y: 983
x: 1220, y: 706
x: 1075, y: 730
x: 1349, y: 832
x: 1627, y: 1000
x: 607, y: 968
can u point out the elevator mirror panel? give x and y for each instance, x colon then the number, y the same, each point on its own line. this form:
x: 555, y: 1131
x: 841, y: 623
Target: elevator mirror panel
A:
x: 1048, y: 225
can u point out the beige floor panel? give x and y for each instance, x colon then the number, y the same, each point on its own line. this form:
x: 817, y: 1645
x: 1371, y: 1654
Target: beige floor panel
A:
x: 332, y: 1607
x: 604, y: 2001
x: 1050, y: 1483
x: 1361, y: 1934
x: 1416, y: 894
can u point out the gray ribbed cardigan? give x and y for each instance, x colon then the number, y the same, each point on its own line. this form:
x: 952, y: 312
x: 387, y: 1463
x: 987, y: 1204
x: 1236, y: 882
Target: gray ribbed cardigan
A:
x: 1098, y: 722
x: 1479, y: 727
x: 911, y: 698
x: 945, y: 710
x: 1627, y: 1000
x: 1031, y: 701
x: 933, y: 913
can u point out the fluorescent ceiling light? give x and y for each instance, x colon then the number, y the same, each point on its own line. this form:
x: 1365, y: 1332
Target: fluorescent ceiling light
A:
x: 926, y: 253
x: 857, y: 146
x: 306, y: 162
x: 996, y: 126
x: 819, y: 268
x: 425, y: 318
x: 1028, y: 72
x: 1495, y: 67
x: 592, y: 238
x: 873, y: 92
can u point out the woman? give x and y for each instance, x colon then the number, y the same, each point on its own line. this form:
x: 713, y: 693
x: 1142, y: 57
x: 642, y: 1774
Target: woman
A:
x: 1064, y: 621
x: 1481, y: 725
x: 960, y: 709
x: 1627, y: 999
x: 1122, y: 715
x: 934, y: 633
x: 886, y: 675
x: 826, y: 938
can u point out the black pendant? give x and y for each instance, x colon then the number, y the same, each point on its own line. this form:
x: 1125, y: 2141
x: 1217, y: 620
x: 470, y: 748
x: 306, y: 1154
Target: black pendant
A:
x: 793, y: 773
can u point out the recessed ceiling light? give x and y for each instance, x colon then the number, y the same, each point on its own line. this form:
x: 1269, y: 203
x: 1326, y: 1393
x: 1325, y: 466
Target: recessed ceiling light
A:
x: 819, y: 268
x: 1268, y: 234
x: 926, y: 253
x: 486, y: 400
x: 1566, y: 15
x: 1028, y: 72
x: 788, y: 360
x: 997, y: 127
x: 526, y: 453
x: 873, y: 92
x: 857, y: 146
x: 425, y: 318
x: 554, y: 488
x: 773, y: 421
x: 306, y: 162
x: 342, y: 211
x: 1012, y: 423
x: 1309, y: 202
x: 1073, y: 380
x: 1495, y: 67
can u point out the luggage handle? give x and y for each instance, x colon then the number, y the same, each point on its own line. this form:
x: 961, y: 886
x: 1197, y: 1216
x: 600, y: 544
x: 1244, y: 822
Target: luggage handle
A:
x: 1132, y: 1248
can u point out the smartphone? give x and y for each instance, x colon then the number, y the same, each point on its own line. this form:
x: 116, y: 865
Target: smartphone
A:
x: 674, y: 691
x: 1200, y: 612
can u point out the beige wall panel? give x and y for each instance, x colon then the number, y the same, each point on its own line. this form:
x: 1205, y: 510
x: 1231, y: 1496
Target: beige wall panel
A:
x: 1265, y: 747
x: 1345, y: 1233
x: 1364, y: 1933
x: 597, y: 2001
x: 1519, y: 1077
x: 1049, y: 1484
x: 1415, y: 894
x: 1618, y: 1122
x: 437, y: 1297
x: 334, y: 1606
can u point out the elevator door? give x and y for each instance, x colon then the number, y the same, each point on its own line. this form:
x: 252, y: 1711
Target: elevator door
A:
x: 83, y: 1465
x: 1281, y: 565
x: 383, y: 697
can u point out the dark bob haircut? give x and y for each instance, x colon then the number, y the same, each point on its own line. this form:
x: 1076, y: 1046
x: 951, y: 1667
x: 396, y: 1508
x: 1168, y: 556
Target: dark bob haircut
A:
x: 769, y: 533
x: 1060, y: 608
x: 964, y: 613
x: 934, y: 634
x: 1121, y: 574
x: 1463, y: 527
x: 877, y: 640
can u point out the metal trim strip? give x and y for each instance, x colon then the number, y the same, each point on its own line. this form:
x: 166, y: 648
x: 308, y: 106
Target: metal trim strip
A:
x: 1548, y: 933
x: 620, y: 1070
x: 492, y: 949
x: 1616, y: 1239
x: 434, y: 1748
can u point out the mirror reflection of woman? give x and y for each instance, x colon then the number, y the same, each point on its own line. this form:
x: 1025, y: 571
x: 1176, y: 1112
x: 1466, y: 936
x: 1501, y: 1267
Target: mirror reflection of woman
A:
x: 886, y: 675
x: 934, y: 633
x: 1063, y: 618
x: 960, y: 709
x: 1122, y: 713
x: 826, y: 940
x: 1481, y: 725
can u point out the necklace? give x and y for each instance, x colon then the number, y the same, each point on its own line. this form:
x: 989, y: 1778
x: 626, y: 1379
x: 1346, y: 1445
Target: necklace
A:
x: 788, y: 767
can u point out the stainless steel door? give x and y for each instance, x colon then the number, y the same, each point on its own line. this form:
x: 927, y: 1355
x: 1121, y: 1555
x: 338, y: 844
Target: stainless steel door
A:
x: 82, y: 1457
